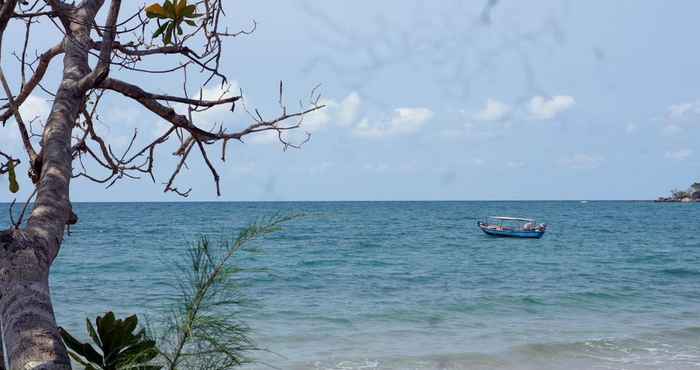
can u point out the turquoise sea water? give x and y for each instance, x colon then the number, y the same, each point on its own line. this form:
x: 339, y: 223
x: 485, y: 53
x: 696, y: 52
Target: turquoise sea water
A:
x: 415, y: 285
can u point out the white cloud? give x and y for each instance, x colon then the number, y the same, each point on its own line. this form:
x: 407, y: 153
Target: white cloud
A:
x: 33, y: 108
x: 218, y: 113
x: 542, y: 108
x: 681, y: 115
x: 349, y: 109
x: 631, y: 128
x: 671, y: 129
x: 679, y: 155
x: 343, y: 113
x: 683, y: 110
x: 264, y: 137
x: 364, y: 128
x: 376, y: 167
x: 318, y: 119
x: 494, y: 110
x: 582, y: 161
x: 218, y: 92
x: 403, y: 121
x: 516, y: 164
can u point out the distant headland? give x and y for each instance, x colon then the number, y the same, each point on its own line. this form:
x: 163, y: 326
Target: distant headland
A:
x: 686, y: 196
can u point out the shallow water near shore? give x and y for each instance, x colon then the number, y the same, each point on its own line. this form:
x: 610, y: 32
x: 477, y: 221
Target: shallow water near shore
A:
x: 415, y: 285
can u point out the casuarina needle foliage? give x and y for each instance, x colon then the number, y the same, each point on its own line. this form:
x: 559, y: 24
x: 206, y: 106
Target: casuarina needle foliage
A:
x: 202, y: 332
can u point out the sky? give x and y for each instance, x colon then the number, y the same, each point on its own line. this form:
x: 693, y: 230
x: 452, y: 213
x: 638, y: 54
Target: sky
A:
x: 425, y: 100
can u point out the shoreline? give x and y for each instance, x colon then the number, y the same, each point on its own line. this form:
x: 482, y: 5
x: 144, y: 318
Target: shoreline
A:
x: 684, y: 200
x: 668, y: 349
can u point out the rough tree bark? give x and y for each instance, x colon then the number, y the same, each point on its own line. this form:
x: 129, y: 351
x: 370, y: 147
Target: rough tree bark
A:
x: 30, y: 336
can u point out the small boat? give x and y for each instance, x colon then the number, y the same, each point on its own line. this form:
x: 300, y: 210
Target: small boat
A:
x: 513, y: 227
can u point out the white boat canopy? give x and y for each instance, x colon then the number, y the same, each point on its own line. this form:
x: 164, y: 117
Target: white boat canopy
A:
x: 511, y: 218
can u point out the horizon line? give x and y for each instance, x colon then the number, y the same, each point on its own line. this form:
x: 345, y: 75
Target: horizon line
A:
x: 360, y: 201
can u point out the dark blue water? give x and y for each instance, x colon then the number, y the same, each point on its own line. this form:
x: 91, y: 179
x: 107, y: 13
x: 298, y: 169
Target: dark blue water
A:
x: 415, y: 285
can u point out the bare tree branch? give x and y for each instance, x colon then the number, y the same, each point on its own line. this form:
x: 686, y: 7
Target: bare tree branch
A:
x: 24, y: 134
x: 44, y: 61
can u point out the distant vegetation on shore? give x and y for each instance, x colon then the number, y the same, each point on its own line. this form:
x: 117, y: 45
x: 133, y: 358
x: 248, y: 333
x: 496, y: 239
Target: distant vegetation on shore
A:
x: 690, y: 195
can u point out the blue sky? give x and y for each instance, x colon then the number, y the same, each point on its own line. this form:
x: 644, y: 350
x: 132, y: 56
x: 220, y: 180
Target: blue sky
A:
x: 440, y: 100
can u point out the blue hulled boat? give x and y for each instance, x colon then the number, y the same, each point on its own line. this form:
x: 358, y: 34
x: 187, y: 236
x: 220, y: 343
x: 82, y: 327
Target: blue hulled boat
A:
x: 513, y: 227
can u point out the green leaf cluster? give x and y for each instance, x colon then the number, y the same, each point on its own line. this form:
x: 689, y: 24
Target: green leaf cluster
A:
x: 170, y: 16
x: 120, y: 347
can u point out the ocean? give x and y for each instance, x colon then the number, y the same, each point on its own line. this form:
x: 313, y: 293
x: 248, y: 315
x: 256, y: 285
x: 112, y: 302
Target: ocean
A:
x: 414, y: 285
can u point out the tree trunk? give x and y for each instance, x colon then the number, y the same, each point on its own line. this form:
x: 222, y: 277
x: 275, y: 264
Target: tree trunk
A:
x: 31, y: 340
x: 29, y: 332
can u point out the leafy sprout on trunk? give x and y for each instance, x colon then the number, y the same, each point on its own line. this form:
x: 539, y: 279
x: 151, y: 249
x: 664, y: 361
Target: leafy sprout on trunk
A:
x: 14, y: 186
